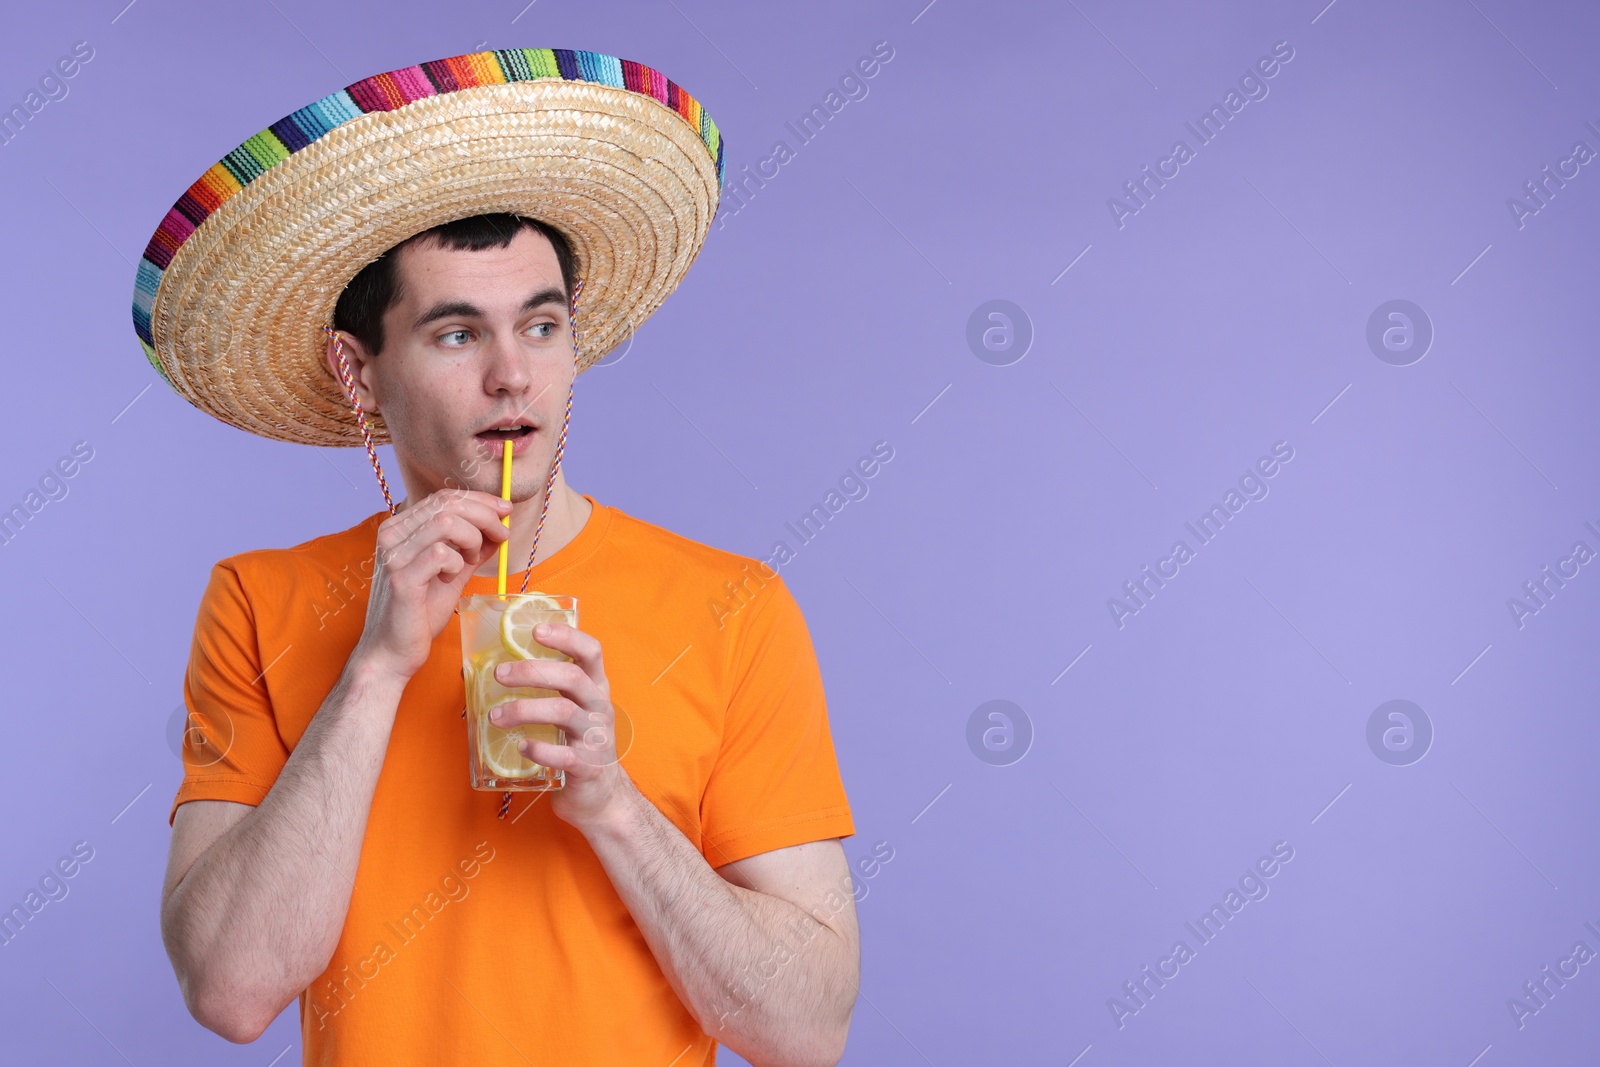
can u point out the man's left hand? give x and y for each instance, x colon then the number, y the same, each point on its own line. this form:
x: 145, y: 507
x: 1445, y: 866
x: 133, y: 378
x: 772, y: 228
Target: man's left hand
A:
x: 596, y: 785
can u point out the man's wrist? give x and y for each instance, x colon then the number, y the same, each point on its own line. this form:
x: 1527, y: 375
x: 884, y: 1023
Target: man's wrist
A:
x: 618, y: 823
x: 372, y: 676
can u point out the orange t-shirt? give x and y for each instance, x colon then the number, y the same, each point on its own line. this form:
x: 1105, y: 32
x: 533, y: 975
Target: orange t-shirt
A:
x: 480, y: 941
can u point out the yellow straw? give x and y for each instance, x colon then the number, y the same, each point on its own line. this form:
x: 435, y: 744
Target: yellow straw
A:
x: 505, y: 520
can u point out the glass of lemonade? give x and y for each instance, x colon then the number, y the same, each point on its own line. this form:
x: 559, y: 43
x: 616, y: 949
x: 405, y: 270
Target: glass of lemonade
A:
x: 495, y: 630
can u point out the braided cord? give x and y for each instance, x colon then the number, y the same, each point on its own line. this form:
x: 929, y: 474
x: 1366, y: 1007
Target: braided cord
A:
x: 561, y: 442
x: 349, y: 382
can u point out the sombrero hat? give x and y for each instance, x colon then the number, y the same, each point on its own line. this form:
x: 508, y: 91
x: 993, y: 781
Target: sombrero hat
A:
x: 244, y: 271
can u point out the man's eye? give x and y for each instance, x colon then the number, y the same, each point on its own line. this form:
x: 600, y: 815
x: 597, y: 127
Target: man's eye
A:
x: 550, y: 326
x: 456, y: 338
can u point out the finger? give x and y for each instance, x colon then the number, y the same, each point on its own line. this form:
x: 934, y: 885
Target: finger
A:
x: 593, y: 737
x: 591, y: 749
x: 548, y: 754
x: 466, y: 535
x: 440, y: 560
x: 591, y: 733
x: 397, y: 553
x: 413, y: 524
x: 568, y: 679
x: 476, y: 513
x: 480, y: 508
x: 584, y: 648
x: 492, y: 501
x: 446, y: 527
x: 483, y: 513
x: 526, y: 711
x: 471, y: 522
x: 403, y: 524
x: 397, y: 536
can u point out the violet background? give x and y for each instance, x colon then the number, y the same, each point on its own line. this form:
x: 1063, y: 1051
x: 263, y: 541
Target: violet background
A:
x: 831, y: 312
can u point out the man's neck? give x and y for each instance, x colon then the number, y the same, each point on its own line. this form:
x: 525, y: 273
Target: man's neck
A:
x: 568, y: 513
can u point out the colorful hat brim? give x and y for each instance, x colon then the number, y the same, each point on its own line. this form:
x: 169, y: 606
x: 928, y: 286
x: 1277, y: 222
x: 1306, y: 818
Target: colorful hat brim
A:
x: 245, y: 269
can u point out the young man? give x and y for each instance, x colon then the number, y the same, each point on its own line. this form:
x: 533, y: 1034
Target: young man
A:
x: 687, y: 885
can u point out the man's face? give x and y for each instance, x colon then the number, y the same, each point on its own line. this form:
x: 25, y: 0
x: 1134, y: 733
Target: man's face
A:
x: 477, y: 351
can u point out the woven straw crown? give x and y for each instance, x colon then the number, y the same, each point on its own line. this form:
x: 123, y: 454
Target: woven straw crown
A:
x: 246, y: 268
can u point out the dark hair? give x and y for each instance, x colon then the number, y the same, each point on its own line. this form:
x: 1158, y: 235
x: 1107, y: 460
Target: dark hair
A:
x: 376, y: 288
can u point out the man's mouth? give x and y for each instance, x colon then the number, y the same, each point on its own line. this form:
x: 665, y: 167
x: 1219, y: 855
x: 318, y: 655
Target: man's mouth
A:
x: 505, y: 433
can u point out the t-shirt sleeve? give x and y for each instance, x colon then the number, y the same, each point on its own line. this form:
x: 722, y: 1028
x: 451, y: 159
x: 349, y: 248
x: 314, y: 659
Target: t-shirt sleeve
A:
x: 776, y: 779
x: 231, y: 746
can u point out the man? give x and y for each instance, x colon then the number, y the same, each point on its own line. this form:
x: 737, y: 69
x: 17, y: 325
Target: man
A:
x: 687, y: 885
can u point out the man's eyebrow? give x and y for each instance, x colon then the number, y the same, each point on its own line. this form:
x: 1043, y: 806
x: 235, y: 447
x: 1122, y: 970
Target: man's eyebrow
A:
x: 446, y: 309
x: 551, y: 295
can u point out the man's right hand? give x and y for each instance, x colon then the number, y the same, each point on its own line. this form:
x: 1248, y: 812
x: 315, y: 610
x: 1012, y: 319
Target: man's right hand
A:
x: 425, y: 554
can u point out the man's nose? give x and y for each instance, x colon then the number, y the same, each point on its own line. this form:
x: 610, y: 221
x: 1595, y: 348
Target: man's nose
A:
x: 505, y: 367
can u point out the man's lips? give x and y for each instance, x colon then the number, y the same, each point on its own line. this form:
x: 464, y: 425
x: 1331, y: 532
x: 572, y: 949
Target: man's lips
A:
x: 520, y: 437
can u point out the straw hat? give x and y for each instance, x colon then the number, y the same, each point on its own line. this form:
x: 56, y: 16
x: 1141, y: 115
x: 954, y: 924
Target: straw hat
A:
x: 244, y: 271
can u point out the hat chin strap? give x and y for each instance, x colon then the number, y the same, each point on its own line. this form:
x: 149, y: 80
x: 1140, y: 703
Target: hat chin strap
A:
x: 347, y: 380
x: 561, y: 442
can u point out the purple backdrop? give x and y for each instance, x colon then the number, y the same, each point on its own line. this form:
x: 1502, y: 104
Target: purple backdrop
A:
x: 1170, y: 319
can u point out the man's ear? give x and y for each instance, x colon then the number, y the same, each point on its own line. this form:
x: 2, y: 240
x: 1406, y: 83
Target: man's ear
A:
x: 360, y: 362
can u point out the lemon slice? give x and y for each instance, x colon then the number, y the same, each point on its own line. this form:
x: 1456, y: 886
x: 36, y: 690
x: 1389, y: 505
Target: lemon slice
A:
x: 517, y: 623
x: 500, y: 752
x: 497, y: 745
x: 486, y: 691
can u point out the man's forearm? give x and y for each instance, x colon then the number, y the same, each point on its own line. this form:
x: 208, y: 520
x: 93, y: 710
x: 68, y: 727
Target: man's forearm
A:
x: 257, y: 916
x: 761, y: 974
